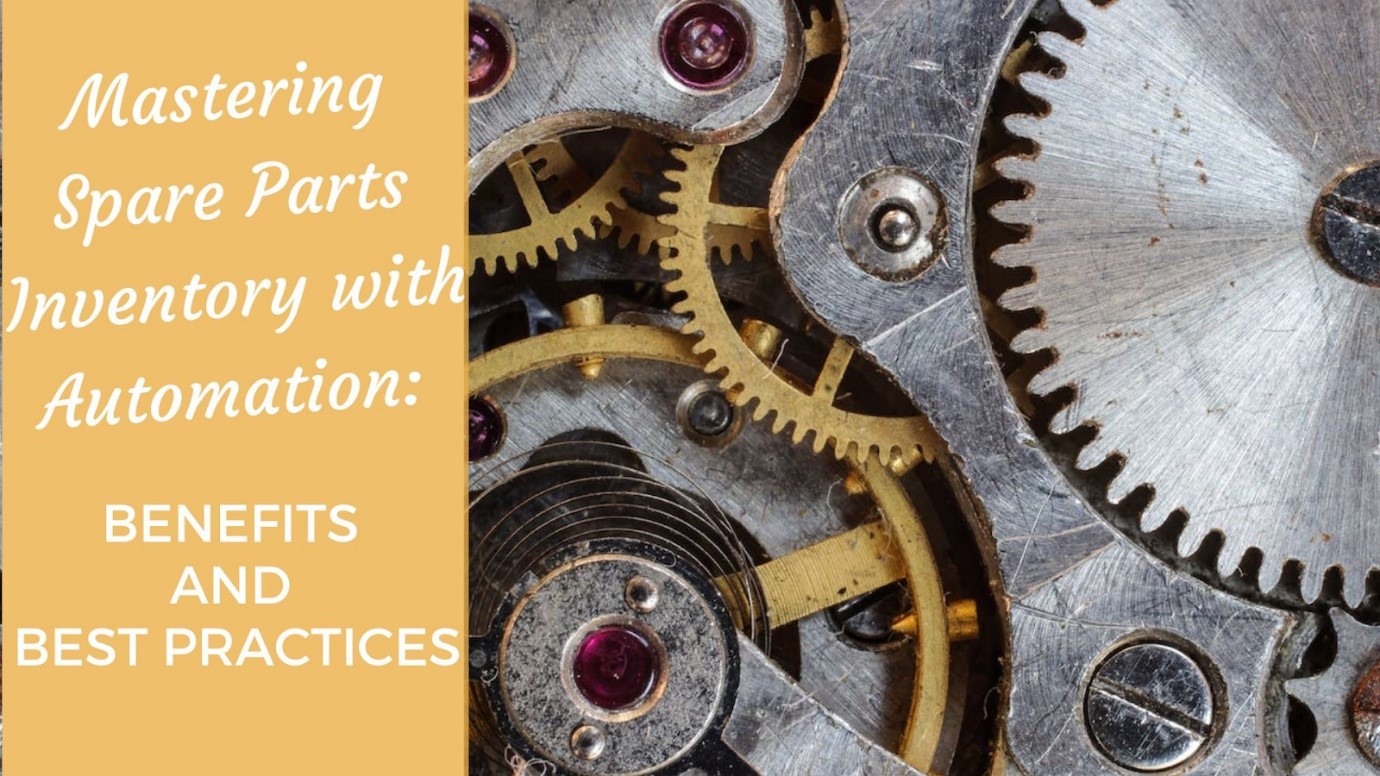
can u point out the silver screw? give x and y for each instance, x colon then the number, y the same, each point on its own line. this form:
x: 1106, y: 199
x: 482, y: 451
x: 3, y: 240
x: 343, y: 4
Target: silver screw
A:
x: 895, y: 227
x: 893, y: 223
x: 587, y: 742
x: 641, y: 594
x: 1149, y: 707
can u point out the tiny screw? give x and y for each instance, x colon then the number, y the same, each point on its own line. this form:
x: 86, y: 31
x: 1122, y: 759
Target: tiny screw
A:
x: 893, y: 223
x: 1347, y: 225
x: 711, y: 414
x: 706, y: 415
x: 895, y: 227
x: 641, y: 594
x: 1149, y: 707
x: 587, y: 742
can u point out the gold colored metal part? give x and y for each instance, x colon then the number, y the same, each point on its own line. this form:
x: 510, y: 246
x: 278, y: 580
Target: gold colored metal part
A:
x: 586, y: 311
x: 962, y: 619
x: 746, y: 378
x: 826, y: 574
x: 763, y: 339
x: 822, y: 36
x: 553, y: 165
x: 548, y: 228
x: 808, y: 580
x: 733, y: 231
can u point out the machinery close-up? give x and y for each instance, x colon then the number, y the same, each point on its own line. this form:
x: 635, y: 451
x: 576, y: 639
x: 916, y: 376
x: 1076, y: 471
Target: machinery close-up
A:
x: 924, y: 386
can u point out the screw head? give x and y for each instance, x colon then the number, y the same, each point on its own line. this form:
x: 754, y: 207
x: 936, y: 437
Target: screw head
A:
x: 895, y: 227
x: 486, y: 428
x: 1365, y: 712
x: 1346, y: 225
x: 1149, y: 707
x: 641, y: 594
x: 892, y: 223
x: 710, y: 413
x: 707, y: 416
x: 491, y: 56
x: 587, y: 742
x: 706, y: 45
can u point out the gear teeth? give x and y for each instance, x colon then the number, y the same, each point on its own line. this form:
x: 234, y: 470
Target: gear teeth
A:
x: 1022, y: 125
x: 1041, y: 86
x: 1233, y: 551
x: 1311, y: 582
x: 1191, y: 538
x: 1016, y: 300
x: 1016, y: 167
x: 1051, y: 379
x: 1058, y: 46
x: 686, y: 255
x: 593, y: 214
x: 1121, y: 486
x: 1353, y: 586
x: 1048, y: 129
x: 1094, y: 454
x: 1271, y: 572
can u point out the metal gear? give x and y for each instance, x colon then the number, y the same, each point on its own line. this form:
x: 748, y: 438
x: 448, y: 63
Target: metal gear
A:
x: 733, y: 232
x: 748, y: 374
x: 1345, y: 701
x: 1188, y: 294
x: 595, y: 212
x: 817, y: 576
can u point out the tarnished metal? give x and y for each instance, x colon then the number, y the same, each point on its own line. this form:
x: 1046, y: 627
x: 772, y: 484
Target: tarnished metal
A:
x: 1205, y: 335
x: 791, y: 520
x: 1345, y: 701
x: 1076, y: 586
x: 562, y: 79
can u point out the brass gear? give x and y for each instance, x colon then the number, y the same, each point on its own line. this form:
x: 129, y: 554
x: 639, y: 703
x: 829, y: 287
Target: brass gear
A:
x: 747, y: 376
x: 599, y: 208
x: 595, y: 212
x: 818, y: 576
x: 732, y: 233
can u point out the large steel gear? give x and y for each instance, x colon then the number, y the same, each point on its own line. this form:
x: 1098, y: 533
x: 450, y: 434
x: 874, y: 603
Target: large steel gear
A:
x: 865, y: 184
x: 748, y: 375
x: 1345, y: 702
x: 1219, y: 337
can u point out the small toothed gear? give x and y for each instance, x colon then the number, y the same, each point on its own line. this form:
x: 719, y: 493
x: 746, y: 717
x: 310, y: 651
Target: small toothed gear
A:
x: 1222, y: 348
x: 1345, y: 701
x: 595, y: 212
x: 747, y: 374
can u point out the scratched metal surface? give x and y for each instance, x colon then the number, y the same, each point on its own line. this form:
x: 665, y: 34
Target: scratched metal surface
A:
x: 1205, y: 334
x: 583, y: 64
x: 913, y: 94
x: 783, y: 495
x: 1329, y: 696
x: 1101, y: 604
x: 788, y: 730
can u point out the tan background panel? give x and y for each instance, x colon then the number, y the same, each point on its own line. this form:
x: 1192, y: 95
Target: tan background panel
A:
x: 402, y: 468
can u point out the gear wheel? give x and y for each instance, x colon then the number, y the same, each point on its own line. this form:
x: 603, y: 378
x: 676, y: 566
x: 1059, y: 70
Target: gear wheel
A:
x: 816, y: 577
x: 595, y: 212
x: 1345, y: 700
x: 1187, y: 295
x: 747, y: 375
